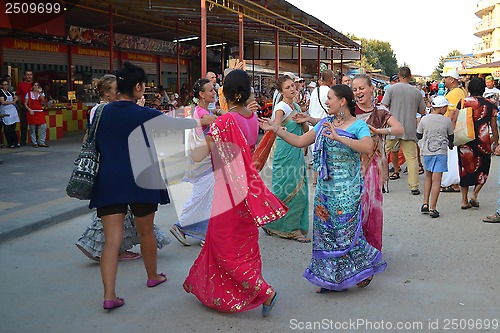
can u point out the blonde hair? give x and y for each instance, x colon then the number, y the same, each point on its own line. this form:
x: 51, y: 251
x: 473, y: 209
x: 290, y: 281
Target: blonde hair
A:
x: 104, y: 84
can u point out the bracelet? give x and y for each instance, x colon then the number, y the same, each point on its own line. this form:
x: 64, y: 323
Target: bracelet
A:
x: 350, y: 141
x: 276, y: 131
x: 389, y: 131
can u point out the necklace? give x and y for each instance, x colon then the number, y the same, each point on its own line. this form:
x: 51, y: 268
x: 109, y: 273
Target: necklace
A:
x: 232, y: 108
x: 366, y: 109
x: 339, y: 122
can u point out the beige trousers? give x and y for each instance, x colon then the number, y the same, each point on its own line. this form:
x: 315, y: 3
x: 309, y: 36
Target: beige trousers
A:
x: 410, y: 152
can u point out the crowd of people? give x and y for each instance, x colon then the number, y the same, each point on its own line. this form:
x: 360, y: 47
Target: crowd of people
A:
x: 24, y: 105
x: 342, y: 127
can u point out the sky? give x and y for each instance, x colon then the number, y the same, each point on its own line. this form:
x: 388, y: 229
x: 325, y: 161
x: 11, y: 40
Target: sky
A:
x: 419, y: 31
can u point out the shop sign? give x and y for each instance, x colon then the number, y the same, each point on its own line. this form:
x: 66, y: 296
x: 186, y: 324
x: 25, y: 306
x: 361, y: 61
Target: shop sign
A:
x: 27, y: 45
x: 91, y: 52
x: 167, y: 60
x: 139, y: 57
x: 496, y: 74
x: 71, y: 95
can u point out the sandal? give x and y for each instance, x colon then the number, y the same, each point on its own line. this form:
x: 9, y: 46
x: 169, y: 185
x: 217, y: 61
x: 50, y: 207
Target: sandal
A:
x: 269, y: 233
x: 424, y: 209
x: 466, y: 206
x: 365, y: 282
x: 326, y: 291
x: 421, y: 170
x: 301, y: 239
x: 128, y: 255
x: 434, y: 213
x: 394, y: 176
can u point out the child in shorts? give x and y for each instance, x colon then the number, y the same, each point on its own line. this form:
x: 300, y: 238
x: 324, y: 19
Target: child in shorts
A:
x: 435, y: 132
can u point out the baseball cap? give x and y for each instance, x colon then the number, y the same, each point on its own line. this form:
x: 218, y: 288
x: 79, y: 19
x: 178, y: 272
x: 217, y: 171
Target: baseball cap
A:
x: 291, y: 75
x: 453, y: 73
x: 440, y: 101
x: 394, y: 77
x: 312, y: 84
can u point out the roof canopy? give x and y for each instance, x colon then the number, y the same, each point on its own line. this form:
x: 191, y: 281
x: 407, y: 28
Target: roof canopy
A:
x: 160, y: 18
x: 482, y: 69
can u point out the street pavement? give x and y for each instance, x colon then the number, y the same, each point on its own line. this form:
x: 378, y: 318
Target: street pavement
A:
x: 442, y: 273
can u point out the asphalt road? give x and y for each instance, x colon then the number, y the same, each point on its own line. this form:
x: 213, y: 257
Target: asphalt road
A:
x: 442, y: 275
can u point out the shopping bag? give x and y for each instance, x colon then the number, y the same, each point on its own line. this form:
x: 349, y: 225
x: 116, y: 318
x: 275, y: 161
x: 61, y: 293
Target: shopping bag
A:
x: 464, y: 129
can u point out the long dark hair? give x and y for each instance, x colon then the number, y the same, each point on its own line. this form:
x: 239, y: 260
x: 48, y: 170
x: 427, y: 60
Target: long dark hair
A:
x: 128, y: 76
x: 344, y: 91
x: 237, y: 87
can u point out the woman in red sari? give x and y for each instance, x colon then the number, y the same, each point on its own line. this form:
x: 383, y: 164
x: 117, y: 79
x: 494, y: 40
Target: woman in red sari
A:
x: 227, y: 275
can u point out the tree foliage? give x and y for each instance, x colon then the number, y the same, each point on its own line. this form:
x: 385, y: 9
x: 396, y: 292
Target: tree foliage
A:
x: 436, y: 74
x: 377, y: 55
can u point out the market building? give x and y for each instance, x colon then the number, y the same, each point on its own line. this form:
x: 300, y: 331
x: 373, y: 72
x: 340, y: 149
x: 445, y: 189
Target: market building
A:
x: 176, y: 42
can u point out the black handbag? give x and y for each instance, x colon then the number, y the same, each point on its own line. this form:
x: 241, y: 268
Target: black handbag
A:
x: 86, y: 164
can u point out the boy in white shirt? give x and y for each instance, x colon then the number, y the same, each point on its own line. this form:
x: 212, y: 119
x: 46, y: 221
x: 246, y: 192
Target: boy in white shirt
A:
x: 435, y: 132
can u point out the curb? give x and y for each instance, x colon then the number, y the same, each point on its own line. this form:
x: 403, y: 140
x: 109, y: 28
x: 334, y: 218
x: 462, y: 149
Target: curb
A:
x: 15, y: 228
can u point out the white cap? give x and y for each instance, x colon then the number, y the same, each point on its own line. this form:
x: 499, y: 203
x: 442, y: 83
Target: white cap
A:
x: 312, y: 84
x: 440, y: 101
x: 297, y: 79
x: 453, y: 73
x: 290, y: 75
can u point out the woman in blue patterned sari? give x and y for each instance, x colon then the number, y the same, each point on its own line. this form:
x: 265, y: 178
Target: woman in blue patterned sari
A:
x: 341, y: 257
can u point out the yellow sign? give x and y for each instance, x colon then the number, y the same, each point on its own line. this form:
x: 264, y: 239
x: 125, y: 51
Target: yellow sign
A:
x: 71, y: 95
x: 496, y: 74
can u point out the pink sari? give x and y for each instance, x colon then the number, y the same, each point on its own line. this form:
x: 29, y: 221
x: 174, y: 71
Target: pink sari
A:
x: 227, y: 275
x: 375, y: 176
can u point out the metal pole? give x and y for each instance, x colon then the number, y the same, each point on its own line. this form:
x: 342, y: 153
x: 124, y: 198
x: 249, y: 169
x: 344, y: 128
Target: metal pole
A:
x: 110, y: 9
x: 277, y: 53
x: 241, y: 37
x: 178, y: 60
x: 203, y: 38
x: 300, y: 57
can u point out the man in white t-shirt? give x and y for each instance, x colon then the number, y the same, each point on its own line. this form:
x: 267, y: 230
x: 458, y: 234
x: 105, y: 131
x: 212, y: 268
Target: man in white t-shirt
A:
x: 491, y: 91
x: 317, y: 106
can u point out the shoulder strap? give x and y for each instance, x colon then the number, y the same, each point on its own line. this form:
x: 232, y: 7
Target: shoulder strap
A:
x: 319, y: 100
x: 95, y: 123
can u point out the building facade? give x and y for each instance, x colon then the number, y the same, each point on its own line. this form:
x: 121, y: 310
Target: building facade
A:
x: 488, y: 30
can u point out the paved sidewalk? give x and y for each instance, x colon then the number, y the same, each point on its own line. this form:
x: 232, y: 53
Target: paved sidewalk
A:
x: 33, y: 182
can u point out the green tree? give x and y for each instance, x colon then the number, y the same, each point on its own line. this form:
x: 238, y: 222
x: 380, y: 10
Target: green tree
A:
x: 376, y: 55
x: 436, y: 75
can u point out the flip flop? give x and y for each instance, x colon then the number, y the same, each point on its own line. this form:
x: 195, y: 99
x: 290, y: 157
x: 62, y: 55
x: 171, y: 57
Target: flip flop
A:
x: 466, y: 207
x: 127, y: 255
x: 474, y: 203
x: 449, y: 189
